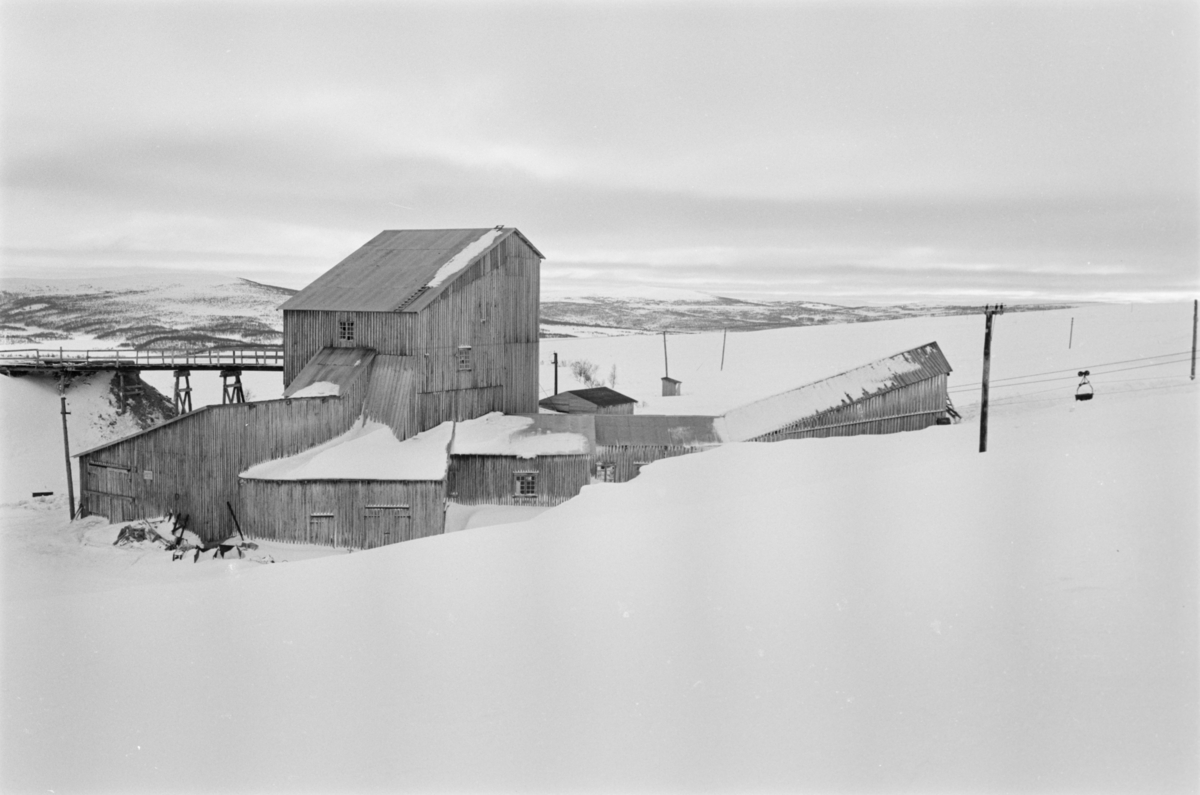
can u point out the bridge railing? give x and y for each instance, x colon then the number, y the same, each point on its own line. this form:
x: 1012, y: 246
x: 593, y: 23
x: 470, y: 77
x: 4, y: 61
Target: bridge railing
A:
x: 125, y: 357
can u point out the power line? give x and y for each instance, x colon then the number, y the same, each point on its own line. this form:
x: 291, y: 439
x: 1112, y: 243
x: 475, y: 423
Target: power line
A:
x: 1069, y: 377
x: 1089, y: 367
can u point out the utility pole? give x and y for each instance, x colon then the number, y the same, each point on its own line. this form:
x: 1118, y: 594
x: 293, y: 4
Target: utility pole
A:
x: 666, y: 365
x: 990, y: 311
x: 1195, y: 312
x: 724, y: 337
x: 556, y: 372
x: 1072, y: 339
x: 62, y: 396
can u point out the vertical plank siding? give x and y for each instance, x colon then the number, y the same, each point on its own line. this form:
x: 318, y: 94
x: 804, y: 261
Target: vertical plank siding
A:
x: 306, y: 332
x: 491, y: 479
x: 907, y: 408
x: 191, y: 464
x: 284, y: 511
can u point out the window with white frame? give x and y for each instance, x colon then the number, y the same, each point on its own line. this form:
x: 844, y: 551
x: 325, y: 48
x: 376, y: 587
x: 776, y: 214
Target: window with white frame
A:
x: 526, y: 484
x: 606, y: 473
x: 463, y: 357
x: 345, y: 330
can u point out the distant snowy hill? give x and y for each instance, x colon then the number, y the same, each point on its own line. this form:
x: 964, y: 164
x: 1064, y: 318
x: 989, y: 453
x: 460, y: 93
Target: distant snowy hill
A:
x: 166, y: 310
x: 152, y: 310
x: 604, y: 315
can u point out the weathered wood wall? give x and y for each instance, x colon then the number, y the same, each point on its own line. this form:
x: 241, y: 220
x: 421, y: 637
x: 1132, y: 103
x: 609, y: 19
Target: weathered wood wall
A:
x: 907, y: 408
x: 354, y: 514
x: 491, y: 479
x: 191, y: 464
x: 492, y: 306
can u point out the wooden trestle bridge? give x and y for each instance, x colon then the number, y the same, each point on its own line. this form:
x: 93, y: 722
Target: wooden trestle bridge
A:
x: 128, y: 363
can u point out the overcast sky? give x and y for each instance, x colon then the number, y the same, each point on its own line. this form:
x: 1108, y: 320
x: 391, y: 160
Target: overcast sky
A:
x: 833, y: 151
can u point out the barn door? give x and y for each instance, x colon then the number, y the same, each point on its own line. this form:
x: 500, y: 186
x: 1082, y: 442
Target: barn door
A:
x: 387, y: 524
x: 322, y: 529
x: 108, y: 491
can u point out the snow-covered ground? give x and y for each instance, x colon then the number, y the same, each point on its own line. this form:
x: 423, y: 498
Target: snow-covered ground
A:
x: 868, y: 613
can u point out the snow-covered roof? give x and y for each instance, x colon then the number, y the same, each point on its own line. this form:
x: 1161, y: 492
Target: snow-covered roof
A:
x: 368, y: 451
x: 775, y: 412
x: 525, y: 436
x: 330, y: 372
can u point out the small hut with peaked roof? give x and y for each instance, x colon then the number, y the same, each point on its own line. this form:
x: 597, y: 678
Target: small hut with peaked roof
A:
x: 595, y: 400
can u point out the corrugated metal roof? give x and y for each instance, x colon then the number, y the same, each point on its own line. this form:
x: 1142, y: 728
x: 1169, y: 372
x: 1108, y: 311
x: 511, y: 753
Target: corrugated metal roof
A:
x: 390, y: 270
x: 603, y: 396
x: 652, y: 429
x: 775, y: 412
x: 596, y: 396
x: 340, y: 366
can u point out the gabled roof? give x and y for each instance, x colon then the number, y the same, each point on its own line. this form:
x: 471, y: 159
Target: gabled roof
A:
x: 598, y: 396
x: 397, y: 266
x: 775, y: 412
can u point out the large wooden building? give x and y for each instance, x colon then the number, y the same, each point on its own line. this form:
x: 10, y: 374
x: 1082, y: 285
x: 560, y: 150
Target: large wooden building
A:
x: 411, y: 380
x: 415, y: 328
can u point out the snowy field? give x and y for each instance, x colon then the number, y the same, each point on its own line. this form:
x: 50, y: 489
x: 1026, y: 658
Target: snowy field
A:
x: 894, y: 613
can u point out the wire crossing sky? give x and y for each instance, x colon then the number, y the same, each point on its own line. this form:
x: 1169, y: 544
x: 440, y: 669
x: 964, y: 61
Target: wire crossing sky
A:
x: 844, y: 152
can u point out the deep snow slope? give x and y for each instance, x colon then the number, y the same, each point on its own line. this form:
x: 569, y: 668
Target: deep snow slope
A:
x: 867, y: 614
x: 31, y: 442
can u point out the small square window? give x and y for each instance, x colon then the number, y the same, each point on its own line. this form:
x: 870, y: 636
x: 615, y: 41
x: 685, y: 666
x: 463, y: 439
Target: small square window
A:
x: 606, y: 473
x: 346, y: 330
x: 463, y: 357
x: 526, y: 484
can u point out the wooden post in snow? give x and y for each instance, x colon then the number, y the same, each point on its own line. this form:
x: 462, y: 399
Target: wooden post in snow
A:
x: 990, y: 311
x: 666, y: 365
x: 62, y: 396
x: 1071, y: 341
x: 724, y: 337
x: 556, y: 372
x: 1195, y: 312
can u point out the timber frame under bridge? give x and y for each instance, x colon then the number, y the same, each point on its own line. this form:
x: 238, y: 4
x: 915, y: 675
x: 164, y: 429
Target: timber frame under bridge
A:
x: 128, y: 363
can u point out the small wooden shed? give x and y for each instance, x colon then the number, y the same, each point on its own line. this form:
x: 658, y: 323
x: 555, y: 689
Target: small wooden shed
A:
x: 363, y: 489
x: 533, y: 459
x: 595, y: 400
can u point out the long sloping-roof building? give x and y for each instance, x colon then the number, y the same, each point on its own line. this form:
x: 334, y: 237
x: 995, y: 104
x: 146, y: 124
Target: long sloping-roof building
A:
x: 904, y: 392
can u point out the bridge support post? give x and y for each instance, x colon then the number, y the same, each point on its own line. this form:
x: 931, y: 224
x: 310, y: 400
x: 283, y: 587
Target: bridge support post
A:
x: 129, y: 384
x: 183, y: 391
x: 232, y: 386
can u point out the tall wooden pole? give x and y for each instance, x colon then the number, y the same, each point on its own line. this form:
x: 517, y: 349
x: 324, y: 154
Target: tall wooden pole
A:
x: 1071, y: 341
x: 724, y: 337
x: 1195, y: 313
x: 666, y: 364
x: 556, y: 373
x: 62, y: 396
x: 990, y: 311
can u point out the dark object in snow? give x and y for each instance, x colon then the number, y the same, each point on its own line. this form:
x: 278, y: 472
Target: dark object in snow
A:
x: 43, y: 494
x: 139, y: 533
x: 1085, y: 384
